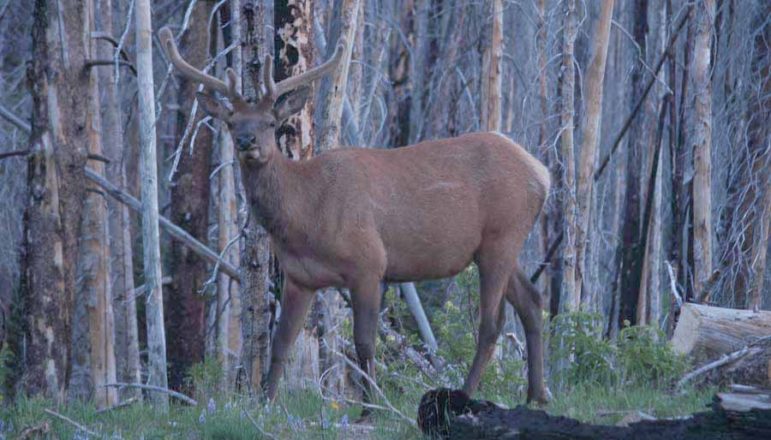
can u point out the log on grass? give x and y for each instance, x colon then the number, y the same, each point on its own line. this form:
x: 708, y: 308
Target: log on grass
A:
x: 705, y: 333
x: 450, y: 414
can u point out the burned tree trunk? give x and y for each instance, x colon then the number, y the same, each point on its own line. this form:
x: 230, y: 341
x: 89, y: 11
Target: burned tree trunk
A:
x: 56, y: 189
x: 255, y: 249
x: 190, y: 210
x: 451, y: 414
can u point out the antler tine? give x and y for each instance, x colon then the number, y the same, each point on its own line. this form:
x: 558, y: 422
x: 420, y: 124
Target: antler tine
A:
x: 167, y: 41
x: 295, y: 82
x: 267, y: 77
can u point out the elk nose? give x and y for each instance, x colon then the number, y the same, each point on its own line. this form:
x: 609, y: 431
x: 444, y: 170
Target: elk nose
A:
x: 245, y: 141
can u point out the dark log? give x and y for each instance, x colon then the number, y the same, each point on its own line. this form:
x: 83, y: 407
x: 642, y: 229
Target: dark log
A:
x: 450, y: 414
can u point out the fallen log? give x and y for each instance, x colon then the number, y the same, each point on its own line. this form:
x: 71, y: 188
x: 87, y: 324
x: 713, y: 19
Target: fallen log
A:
x: 450, y: 414
x: 705, y: 333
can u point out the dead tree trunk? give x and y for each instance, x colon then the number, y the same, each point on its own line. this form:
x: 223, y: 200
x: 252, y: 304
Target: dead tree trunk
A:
x: 590, y: 138
x: 156, y: 337
x: 93, y: 355
x: 294, y: 55
x: 255, y: 249
x: 631, y: 248
x: 702, y: 145
x: 58, y: 151
x: 119, y: 224
x: 571, y: 292
x: 330, y: 309
x: 491, y: 71
x: 190, y: 210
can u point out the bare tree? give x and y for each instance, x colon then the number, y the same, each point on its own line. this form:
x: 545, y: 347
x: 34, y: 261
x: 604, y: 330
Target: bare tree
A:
x: 93, y: 355
x: 119, y: 223
x: 702, y: 145
x: 257, y: 41
x: 571, y: 291
x: 190, y: 195
x: 491, y: 99
x: 56, y: 189
x: 593, y: 91
x: 156, y: 335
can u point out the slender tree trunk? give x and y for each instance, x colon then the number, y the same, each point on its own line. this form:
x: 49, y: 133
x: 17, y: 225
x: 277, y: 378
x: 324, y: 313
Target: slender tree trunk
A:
x: 330, y: 309
x: 119, y: 225
x: 190, y: 193
x: 255, y: 250
x: 572, y: 293
x: 593, y: 91
x: 491, y: 71
x: 702, y: 145
x: 228, y: 308
x: 156, y: 337
x: 632, y: 249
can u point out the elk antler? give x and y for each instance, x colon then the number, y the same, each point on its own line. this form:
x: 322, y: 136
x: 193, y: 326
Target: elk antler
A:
x: 275, y: 90
x: 229, y: 90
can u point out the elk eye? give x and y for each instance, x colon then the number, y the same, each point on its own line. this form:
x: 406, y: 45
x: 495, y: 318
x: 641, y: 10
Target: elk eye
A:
x: 272, y: 125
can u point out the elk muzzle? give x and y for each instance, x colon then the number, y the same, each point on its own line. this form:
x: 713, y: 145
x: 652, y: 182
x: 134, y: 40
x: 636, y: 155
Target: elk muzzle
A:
x: 245, y: 142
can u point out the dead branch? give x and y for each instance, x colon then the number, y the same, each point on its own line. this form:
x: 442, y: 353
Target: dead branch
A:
x: 11, y: 117
x: 177, y: 395
x: 175, y: 231
x: 723, y: 360
x: 120, y: 405
x: 71, y: 422
x: 14, y: 154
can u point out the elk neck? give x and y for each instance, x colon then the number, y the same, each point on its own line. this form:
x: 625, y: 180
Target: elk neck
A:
x: 269, y: 187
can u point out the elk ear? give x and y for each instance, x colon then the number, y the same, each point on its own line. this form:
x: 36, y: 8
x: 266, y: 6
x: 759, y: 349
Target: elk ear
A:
x: 213, y: 106
x: 291, y: 103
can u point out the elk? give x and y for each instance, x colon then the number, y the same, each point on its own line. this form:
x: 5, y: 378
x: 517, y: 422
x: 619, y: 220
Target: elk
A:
x: 353, y: 217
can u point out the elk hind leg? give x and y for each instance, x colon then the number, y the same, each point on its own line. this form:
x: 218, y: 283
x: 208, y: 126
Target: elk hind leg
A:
x: 492, y: 280
x: 528, y: 303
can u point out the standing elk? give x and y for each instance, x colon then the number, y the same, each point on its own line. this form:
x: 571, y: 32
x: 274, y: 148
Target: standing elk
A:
x: 350, y: 218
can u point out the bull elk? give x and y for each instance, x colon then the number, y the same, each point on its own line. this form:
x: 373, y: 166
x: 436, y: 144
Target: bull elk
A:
x: 352, y: 217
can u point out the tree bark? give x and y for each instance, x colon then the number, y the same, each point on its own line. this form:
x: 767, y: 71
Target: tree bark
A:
x: 702, y: 145
x: 190, y: 193
x: 491, y: 71
x: 156, y: 337
x: 593, y: 92
x: 119, y: 222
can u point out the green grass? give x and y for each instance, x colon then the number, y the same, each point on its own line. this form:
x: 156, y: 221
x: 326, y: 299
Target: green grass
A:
x: 306, y: 415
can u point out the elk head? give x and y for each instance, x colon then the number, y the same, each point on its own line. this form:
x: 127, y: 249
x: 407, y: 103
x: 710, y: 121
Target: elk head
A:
x: 252, y: 123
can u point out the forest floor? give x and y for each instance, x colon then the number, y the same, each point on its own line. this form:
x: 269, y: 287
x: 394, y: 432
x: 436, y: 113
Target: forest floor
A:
x: 307, y: 415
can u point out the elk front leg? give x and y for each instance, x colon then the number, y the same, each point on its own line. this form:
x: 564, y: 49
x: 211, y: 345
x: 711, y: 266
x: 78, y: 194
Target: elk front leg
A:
x: 365, y: 298
x: 295, y: 302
